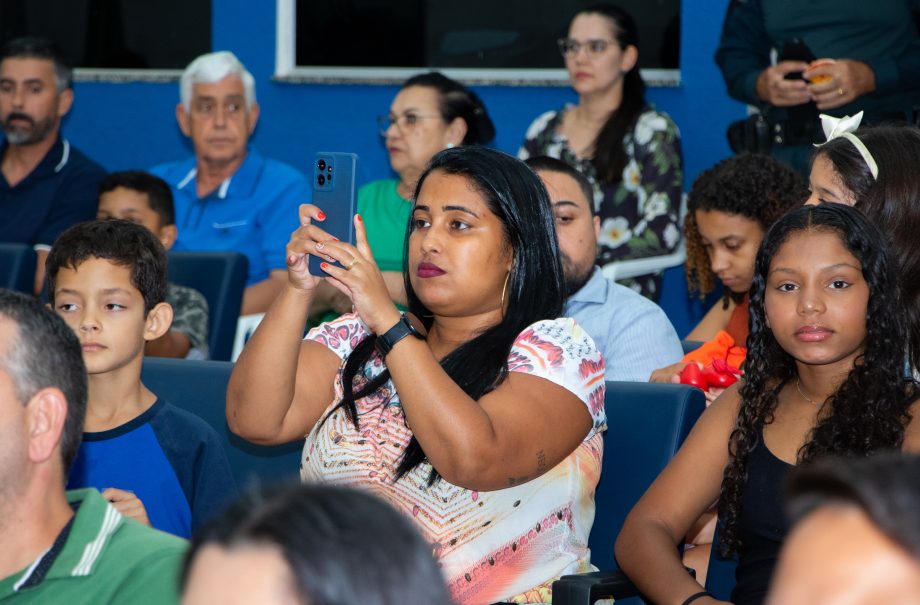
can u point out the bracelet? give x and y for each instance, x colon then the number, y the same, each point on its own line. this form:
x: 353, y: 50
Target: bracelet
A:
x: 695, y: 596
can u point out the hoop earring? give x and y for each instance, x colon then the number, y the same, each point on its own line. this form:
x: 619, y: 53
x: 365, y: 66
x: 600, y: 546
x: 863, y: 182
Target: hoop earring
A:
x: 504, y: 287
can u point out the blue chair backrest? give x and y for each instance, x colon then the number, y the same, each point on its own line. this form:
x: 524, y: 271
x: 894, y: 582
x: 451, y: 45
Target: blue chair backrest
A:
x: 200, y: 387
x: 17, y: 267
x: 221, y: 278
x: 646, y: 424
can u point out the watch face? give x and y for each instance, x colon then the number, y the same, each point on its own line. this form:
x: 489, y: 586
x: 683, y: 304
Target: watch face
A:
x: 417, y: 326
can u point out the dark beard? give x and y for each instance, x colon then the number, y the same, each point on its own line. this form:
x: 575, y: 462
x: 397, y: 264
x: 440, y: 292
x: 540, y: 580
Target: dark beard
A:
x: 17, y: 135
x: 575, y: 278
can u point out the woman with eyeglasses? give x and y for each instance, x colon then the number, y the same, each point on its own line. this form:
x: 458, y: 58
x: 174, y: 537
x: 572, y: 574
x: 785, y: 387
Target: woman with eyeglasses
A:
x: 431, y: 112
x: 629, y: 151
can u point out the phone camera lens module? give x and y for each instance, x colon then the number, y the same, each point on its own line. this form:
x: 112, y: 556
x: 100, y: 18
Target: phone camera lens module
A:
x: 321, y: 180
x: 321, y: 165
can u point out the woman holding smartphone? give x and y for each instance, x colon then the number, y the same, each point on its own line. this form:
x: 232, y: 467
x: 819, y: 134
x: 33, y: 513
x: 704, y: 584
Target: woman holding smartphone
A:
x: 629, y: 151
x: 482, y: 421
x: 430, y: 112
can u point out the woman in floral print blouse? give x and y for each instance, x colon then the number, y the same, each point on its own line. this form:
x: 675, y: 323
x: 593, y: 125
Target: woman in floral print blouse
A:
x: 486, y: 431
x: 629, y: 151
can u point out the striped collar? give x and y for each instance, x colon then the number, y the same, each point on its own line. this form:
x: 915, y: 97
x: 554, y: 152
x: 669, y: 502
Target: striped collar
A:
x: 82, y: 543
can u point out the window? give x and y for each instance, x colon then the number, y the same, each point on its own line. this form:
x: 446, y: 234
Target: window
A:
x: 115, y: 34
x: 490, y: 40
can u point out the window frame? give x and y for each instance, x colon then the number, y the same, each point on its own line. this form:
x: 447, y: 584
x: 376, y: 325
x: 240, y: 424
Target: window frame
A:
x: 286, y: 69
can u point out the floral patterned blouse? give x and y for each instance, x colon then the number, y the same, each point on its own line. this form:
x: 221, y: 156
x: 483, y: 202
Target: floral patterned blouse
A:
x: 638, y: 215
x: 502, y: 545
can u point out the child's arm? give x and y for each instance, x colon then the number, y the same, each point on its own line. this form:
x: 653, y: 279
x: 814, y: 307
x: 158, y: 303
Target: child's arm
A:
x: 127, y: 503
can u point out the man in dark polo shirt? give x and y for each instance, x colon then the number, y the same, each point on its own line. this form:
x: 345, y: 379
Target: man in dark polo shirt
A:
x: 46, y: 184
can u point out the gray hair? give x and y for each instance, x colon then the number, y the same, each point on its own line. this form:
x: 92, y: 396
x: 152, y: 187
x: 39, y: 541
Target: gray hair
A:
x: 211, y: 68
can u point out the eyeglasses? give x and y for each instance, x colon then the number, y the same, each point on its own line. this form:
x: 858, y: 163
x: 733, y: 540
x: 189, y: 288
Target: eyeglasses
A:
x: 570, y: 48
x: 404, y: 123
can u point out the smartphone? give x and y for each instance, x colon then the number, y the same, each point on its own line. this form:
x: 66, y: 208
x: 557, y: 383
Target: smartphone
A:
x: 334, y: 192
x: 795, y: 49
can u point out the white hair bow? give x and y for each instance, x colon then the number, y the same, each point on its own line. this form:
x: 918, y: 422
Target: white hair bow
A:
x: 844, y: 127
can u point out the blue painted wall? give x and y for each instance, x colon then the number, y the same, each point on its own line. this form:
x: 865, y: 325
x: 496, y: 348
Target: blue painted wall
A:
x: 132, y: 125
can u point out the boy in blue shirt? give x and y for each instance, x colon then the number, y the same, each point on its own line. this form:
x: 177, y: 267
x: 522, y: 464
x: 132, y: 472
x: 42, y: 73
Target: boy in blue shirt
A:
x: 155, y: 462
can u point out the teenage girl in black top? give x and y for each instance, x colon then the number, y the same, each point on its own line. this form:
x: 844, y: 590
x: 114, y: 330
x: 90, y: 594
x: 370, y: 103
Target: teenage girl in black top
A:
x: 825, y: 374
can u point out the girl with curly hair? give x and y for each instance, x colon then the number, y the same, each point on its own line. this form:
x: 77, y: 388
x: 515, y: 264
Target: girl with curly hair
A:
x: 729, y: 209
x: 824, y: 377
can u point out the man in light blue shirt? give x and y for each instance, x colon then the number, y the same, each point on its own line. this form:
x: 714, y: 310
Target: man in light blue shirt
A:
x: 228, y: 197
x: 632, y: 332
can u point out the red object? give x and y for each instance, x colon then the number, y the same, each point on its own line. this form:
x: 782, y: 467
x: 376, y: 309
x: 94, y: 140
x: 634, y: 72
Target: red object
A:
x: 720, y: 375
x: 693, y: 375
x: 717, y: 374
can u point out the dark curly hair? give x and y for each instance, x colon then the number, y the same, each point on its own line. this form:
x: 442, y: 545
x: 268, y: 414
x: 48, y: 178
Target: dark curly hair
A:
x: 892, y: 201
x: 754, y: 186
x: 870, y: 409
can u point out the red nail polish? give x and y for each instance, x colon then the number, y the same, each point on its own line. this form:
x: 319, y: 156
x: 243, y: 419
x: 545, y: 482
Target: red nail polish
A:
x: 321, y: 215
x: 360, y: 220
x: 323, y: 266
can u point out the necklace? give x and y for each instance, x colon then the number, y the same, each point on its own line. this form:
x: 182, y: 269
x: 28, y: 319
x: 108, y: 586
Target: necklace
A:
x: 804, y: 396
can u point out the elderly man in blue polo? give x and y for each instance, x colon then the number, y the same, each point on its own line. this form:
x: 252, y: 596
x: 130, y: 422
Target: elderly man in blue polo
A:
x: 228, y: 196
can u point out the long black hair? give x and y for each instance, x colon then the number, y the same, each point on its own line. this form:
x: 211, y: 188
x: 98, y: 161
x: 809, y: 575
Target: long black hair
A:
x: 457, y: 101
x: 341, y: 545
x: 870, y: 409
x: 609, y: 152
x: 515, y: 194
x: 891, y: 201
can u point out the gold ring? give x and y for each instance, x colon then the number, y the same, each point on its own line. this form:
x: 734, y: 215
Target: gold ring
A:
x: 353, y: 262
x: 840, y: 92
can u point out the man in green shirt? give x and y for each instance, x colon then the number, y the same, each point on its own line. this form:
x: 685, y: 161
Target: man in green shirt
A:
x: 61, y: 547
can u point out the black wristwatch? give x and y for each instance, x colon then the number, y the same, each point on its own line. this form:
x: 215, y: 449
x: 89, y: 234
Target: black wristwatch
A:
x: 387, y: 340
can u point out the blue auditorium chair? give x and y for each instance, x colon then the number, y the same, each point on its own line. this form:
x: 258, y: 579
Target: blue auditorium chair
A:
x: 221, y: 278
x: 646, y: 424
x: 200, y: 387
x: 17, y: 267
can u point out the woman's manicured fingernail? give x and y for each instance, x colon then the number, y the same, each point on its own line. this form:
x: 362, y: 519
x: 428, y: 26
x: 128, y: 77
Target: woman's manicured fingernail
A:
x: 324, y: 266
x: 360, y: 220
x: 321, y: 215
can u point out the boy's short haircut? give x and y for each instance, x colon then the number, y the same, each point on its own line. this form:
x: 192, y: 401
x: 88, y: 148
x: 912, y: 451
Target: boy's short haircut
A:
x: 159, y: 195
x: 121, y: 242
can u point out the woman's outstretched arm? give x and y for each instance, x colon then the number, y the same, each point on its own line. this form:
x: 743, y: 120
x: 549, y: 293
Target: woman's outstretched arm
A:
x: 281, y: 384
